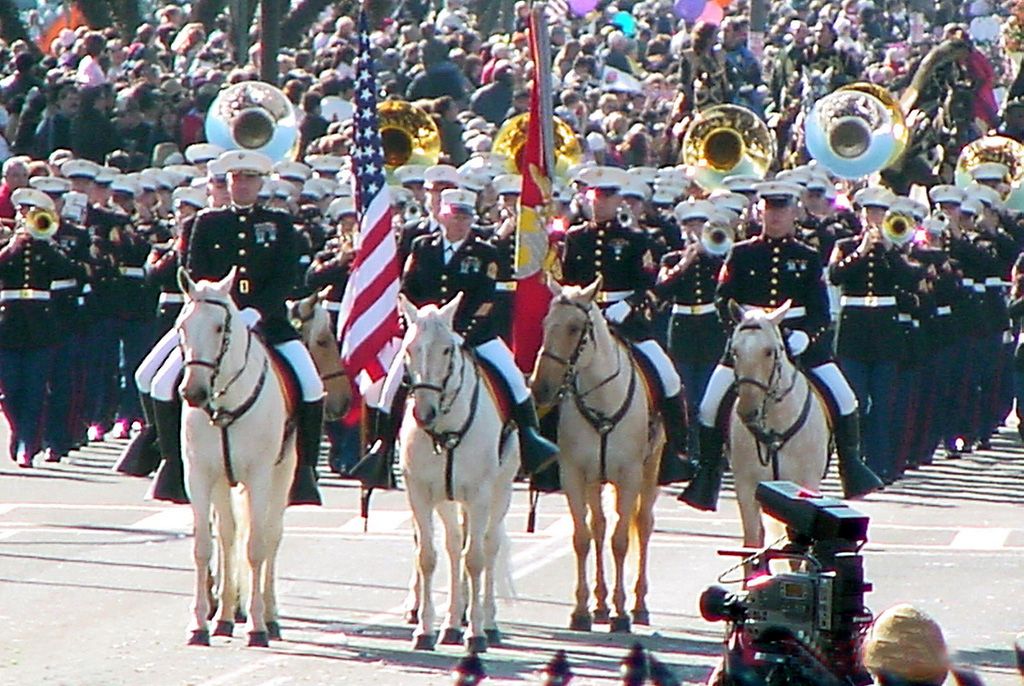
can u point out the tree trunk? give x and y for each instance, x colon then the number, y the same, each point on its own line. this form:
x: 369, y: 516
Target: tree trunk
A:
x: 270, y: 40
x: 206, y: 11
x: 11, y: 26
x: 96, y: 13
x: 298, y: 22
x: 126, y: 16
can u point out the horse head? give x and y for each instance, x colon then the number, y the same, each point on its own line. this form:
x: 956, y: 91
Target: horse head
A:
x: 569, y: 334
x: 758, y: 353
x: 210, y: 333
x: 431, y: 347
x: 313, y: 322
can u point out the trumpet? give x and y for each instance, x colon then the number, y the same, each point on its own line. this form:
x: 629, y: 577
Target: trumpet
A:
x: 898, y: 228
x: 626, y: 217
x: 41, y: 223
x: 413, y: 212
x: 716, y: 239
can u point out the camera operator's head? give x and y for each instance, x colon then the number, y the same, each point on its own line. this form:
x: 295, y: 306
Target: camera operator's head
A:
x: 905, y: 646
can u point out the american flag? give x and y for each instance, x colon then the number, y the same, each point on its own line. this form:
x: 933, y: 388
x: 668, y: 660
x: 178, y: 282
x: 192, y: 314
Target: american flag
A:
x: 368, y: 322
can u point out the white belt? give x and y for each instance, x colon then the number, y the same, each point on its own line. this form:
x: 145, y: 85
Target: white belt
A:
x: 693, y: 310
x: 133, y: 272
x: 86, y: 289
x: 63, y: 283
x: 979, y: 287
x: 967, y: 282
x: 332, y: 306
x: 791, y: 313
x: 995, y: 282
x: 172, y: 298
x: 506, y: 285
x: 605, y: 297
x: 867, y: 301
x: 904, y: 317
x: 943, y: 310
x: 24, y: 294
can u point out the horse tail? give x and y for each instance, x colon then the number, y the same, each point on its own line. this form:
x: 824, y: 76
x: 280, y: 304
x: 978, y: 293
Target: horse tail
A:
x: 504, y: 581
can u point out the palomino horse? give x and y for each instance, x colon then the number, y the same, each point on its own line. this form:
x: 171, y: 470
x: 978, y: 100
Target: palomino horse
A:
x: 607, y: 433
x: 313, y: 323
x: 779, y: 427
x: 239, y: 449
x: 456, y: 458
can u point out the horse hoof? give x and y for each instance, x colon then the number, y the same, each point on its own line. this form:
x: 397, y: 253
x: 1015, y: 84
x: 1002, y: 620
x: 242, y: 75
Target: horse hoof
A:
x: 493, y: 637
x: 274, y: 630
x: 259, y: 639
x: 620, y: 625
x: 602, y: 616
x: 451, y: 637
x: 412, y: 617
x: 423, y: 642
x: 476, y: 644
x: 642, y: 617
x: 224, y: 628
x: 199, y: 637
x: 580, y: 622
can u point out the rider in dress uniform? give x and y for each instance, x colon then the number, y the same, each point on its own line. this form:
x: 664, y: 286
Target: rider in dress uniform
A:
x: 260, y: 244
x: 436, y: 180
x: 621, y: 255
x: 766, y: 271
x: 30, y: 326
x: 439, y: 267
x: 687, y: 282
x: 508, y: 188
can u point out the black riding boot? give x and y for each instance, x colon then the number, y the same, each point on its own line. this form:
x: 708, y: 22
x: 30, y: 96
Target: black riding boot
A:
x: 856, y: 477
x: 169, y: 482
x: 675, y: 465
x: 310, y: 419
x: 374, y: 469
x: 536, y: 452
x: 142, y: 454
x: 702, y: 493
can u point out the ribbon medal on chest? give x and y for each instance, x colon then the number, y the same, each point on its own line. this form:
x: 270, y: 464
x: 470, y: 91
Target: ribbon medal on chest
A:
x: 266, y: 232
x: 469, y: 265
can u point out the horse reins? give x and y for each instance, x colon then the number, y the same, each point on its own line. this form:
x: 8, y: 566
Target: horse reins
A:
x: 773, y: 441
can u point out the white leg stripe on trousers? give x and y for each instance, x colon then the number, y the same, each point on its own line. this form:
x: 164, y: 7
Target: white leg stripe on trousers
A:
x: 154, y: 360
x: 165, y: 381
x: 719, y: 384
x: 671, y: 384
x: 299, y: 359
x: 831, y: 376
x: 497, y: 353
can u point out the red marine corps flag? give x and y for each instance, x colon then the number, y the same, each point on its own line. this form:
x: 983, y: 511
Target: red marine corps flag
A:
x: 532, y: 245
x: 368, y: 322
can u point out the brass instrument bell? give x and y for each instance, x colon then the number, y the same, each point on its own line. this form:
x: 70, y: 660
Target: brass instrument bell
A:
x: 1001, y: 149
x: 898, y: 228
x: 726, y: 140
x: 41, y: 223
x: 717, y: 238
x: 253, y: 115
x: 409, y: 135
x: 511, y: 138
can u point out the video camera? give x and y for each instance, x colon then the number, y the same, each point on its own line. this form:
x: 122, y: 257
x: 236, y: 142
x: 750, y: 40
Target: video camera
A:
x: 803, y: 625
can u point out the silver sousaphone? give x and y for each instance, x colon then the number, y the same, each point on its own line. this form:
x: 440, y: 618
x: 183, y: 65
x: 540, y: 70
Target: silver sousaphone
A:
x: 256, y: 116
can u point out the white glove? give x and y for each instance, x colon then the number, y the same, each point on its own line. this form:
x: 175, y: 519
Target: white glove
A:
x: 250, y: 316
x: 797, y: 342
x: 618, y: 312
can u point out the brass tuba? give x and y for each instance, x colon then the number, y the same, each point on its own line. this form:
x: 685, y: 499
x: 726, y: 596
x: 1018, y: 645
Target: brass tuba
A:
x: 856, y: 130
x: 511, y: 138
x: 898, y: 228
x: 408, y: 134
x: 253, y: 115
x: 1003, y: 150
x: 41, y: 223
x: 725, y: 140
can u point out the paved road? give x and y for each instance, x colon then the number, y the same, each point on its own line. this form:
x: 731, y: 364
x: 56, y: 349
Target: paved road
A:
x: 95, y: 582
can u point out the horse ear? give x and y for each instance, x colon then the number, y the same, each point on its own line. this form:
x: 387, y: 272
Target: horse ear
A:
x: 185, y: 283
x: 448, y: 311
x: 735, y: 311
x: 306, y: 305
x: 553, y: 286
x: 322, y: 294
x: 227, y: 284
x: 408, y: 310
x: 590, y: 292
x: 779, y: 313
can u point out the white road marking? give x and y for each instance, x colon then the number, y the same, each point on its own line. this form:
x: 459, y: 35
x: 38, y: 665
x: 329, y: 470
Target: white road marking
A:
x: 9, y: 534
x: 381, y: 521
x: 174, y: 520
x: 5, y: 509
x: 236, y: 674
x: 980, y: 539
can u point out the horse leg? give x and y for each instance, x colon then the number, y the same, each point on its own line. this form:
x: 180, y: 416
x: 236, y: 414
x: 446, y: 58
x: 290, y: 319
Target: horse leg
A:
x: 750, y: 511
x: 644, y: 525
x: 426, y: 561
x: 625, y: 506
x: 258, y: 507
x: 274, y: 531
x: 451, y: 627
x: 494, y: 542
x: 476, y: 521
x: 412, y: 598
x: 202, y: 553
x: 573, y: 485
x: 226, y: 535
x: 598, y: 523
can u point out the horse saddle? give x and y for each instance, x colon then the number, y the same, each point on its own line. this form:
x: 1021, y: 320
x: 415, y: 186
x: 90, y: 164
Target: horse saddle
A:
x: 648, y: 375
x: 289, y: 380
x: 498, y: 388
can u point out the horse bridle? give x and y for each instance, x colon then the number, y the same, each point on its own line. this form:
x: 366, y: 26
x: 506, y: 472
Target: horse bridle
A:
x: 298, y: 318
x: 445, y: 402
x: 218, y: 415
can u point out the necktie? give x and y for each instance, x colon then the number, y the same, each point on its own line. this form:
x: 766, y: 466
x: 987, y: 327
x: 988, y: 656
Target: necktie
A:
x: 449, y: 250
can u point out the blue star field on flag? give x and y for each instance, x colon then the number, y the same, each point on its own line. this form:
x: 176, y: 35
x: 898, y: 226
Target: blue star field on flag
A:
x: 367, y: 154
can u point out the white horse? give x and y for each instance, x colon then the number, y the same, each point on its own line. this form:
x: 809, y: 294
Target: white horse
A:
x: 239, y: 449
x: 779, y: 427
x: 457, y: 459
x: 608, y: 433
x: 313, y: 322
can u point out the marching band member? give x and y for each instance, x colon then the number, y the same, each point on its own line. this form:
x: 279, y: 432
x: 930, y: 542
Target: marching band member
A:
x: 766, y: 271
